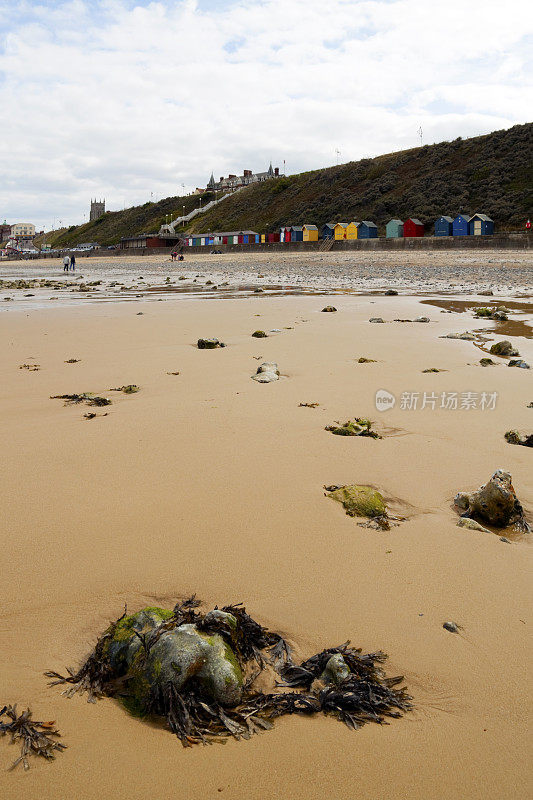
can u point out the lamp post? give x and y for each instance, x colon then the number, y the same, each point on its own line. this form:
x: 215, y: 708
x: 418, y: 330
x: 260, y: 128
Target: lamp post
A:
x: 183, y: 216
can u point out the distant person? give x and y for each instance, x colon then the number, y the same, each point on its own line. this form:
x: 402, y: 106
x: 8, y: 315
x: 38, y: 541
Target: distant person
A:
x: 181, y: 257
x: 66, y: 264
x: 73, y: 262
x: 173, y: 255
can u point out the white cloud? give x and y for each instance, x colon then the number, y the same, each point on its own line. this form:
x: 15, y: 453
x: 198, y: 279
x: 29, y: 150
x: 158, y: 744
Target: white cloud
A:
x: 121, y: 98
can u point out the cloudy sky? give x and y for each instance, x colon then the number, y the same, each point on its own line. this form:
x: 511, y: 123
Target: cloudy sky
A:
x: 129, y: 99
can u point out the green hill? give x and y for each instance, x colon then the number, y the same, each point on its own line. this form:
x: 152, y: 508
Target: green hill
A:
x: 492, y: 174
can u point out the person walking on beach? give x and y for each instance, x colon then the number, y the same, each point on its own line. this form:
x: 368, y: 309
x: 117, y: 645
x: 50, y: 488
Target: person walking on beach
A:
x: 73, y: 262
x: 66, y: 263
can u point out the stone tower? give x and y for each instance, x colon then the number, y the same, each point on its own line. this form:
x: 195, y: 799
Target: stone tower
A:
x: 97, y: 209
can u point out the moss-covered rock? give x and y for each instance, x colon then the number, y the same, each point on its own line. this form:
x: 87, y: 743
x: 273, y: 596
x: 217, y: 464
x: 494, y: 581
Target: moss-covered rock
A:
x: 360, y: 501
x: 209, y: 344
x: 360, y: 426
x: 259, y: 335
x: 329, y: 309
x: 504, y: 348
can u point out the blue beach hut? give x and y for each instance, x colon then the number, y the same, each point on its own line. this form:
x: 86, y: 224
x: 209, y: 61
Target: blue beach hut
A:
x: 328, y: 230
x: 480, y: 225
x: 297, y: 233
x: 367, y: 230
x: 444, y: 226
x: 460, y: 225
x: 394, y: 229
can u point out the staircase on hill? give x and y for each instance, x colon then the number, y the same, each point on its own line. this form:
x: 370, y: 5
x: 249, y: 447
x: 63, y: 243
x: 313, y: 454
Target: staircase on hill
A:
x: 170, y: 229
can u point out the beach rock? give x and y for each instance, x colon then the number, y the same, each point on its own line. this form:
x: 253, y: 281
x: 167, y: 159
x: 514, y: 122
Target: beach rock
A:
x: 363, y: 360
x: 504, y: 348
x: 487, y: 362
x: 467, y: 336
x: 336, y: 670
x: 472, y: 525
x: 329, y: 309
x: 258, y: 290
x: 495, y: 503
x: 518, y: 362
x: 513, y: 437
x: 452, y: 627
x: 176, y: 657
x: 376, y: 319
x: 259, y: 335
x: 486, y: 293
x: 266, y: 372
x: 391, y: 293
x: 360, y: 426
x: 209, y: 344
x: 359, y: 501
x: 421, y: 319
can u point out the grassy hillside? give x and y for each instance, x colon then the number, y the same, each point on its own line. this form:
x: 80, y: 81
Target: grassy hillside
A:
x: 110, y: 228
x: 492, y: 174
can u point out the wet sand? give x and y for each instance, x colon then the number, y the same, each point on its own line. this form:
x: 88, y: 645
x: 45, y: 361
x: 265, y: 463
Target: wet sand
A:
x: 208, y: 482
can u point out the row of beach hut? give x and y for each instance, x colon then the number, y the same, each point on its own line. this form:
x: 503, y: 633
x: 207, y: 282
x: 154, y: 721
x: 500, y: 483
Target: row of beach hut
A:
x: 462, y: 225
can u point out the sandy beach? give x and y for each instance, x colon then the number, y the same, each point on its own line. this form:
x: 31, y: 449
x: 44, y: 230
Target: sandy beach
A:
x: 207, y: 482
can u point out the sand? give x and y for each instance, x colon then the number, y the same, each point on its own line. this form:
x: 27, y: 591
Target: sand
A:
x: 208, y: 482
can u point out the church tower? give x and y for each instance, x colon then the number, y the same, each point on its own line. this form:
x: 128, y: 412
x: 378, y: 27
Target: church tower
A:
x: 97, y: 209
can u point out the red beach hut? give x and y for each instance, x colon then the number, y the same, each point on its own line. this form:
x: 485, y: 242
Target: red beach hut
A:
x: 413, y: 227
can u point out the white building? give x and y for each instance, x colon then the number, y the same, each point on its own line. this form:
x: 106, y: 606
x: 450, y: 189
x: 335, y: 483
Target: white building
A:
x: 22, y: 229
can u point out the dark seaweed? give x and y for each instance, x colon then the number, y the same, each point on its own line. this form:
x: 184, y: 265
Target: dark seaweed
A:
x: 36, y: 738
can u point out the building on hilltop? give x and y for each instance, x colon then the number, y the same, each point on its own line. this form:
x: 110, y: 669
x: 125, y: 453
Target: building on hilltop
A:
x: 233, y: 182
x: 22, y: 230
x: 97, y: 209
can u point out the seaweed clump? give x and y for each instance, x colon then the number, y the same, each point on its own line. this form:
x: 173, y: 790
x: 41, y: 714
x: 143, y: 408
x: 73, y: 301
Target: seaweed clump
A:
x: 85, y: 397
x: 364, y: 501
x: 360, y: 426
x: 37, y: 738
x: 199, y: 670
x: 513, y: 437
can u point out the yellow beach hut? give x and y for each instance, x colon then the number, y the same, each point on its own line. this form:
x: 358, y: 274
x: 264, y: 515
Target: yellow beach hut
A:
x: 351, y: 230
x: 310, y: 233
x: 340, y: 230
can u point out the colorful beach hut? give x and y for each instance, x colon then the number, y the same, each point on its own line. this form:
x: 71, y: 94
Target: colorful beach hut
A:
x: 460, y: 225
x: 367, y: 230
x: 310, y: 233
x: 444, y: 226
x: 394, y: 229
x: 351, y: 230
x: 328, y: 230
x: 297, y: 234
x: 480, y: 225
x: 413, y: 227
x: 340, y: 230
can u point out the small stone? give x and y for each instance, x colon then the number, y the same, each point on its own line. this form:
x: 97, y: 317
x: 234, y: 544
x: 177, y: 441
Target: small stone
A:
x: 504, y: 348
x: 467, y: 336
x: 329, y: 309
x: 209, y: 344
x: 487, y: 362
x: 486, y: 293
x: 259, y: 335
x: 336, y: 669
x: 267, y: 372
x: 518, y: 362
x: 472, y: 525
x: 504, y: 539
x: 422, y: 319
x: 360, y: 501
x: 453, y: 627
x: 363, y: 360
x: 391, y: 293
x: 376, y: 319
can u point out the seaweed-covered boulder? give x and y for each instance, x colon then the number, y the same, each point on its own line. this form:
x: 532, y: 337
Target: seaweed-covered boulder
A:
x: 267, y: 372
x: 189, y: 667
x: 495, y: 503
x: 359, y: 501
x: 209, y: 344
x: 360, y: 426
x: 504, y: 349
x: 259, y: 335
x: 487, y: 362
